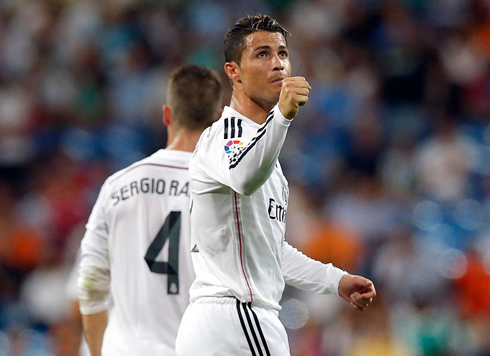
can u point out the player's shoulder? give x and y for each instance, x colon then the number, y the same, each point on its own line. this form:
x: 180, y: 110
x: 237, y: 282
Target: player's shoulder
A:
x: 232, y: 128
x: 175, y: 160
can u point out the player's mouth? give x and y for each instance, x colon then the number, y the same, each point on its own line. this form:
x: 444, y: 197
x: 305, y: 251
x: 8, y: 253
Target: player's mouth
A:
x: 277, y: 80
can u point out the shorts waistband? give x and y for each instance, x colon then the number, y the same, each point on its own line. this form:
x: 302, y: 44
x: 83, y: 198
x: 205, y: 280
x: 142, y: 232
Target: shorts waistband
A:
x: 215, y: 300
x: 230, y: 300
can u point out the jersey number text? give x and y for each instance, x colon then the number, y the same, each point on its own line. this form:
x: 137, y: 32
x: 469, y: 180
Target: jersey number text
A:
x: 169, y: 231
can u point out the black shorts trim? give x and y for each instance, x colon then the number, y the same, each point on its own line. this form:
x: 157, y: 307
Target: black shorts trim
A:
x: 245, y: 311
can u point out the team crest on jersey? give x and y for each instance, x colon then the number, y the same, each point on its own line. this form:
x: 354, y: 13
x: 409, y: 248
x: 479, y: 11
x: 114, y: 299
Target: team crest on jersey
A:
x: 285, y: 195
x: 232, y: 145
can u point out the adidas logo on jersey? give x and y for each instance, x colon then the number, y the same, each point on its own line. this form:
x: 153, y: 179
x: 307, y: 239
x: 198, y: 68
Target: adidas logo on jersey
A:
x: 195, y: 249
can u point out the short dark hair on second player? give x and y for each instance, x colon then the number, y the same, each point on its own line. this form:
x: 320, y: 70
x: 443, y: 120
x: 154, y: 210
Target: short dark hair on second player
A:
x: 194, y: 95
x: 234, y: 39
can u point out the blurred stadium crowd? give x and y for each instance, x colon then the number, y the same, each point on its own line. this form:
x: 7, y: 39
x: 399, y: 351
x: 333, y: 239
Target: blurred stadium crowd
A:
x: 388, y: 163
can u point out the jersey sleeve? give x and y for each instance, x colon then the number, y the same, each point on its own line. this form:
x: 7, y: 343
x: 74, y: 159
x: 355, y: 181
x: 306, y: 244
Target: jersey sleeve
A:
x: 71, y: 284
x: 305, y: 273
x: 247, y: 166
x: 94, y: 270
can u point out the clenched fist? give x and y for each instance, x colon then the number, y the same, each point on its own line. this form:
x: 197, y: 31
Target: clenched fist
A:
x: 294, y: 93
x: 357, y: 290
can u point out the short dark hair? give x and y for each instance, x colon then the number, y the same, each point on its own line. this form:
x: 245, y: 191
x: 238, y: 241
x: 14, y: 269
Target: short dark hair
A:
x: 195, y: 96
x: 234, y: 39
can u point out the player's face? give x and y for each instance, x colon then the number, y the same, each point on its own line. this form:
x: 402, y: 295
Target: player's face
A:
x: 264, y: 64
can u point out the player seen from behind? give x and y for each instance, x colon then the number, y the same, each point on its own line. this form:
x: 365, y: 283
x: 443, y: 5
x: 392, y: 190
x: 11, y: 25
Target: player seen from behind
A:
x: 137, y: 245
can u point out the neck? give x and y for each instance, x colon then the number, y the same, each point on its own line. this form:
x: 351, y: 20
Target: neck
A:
x: 255, y: 111
x: 183, y: 140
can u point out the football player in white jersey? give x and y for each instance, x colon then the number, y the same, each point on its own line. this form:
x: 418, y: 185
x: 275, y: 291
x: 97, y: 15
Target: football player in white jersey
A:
x: 239, y: 202
x: 137, y: 242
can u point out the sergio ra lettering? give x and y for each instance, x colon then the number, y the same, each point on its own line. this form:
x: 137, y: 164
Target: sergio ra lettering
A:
x: 149, y: 186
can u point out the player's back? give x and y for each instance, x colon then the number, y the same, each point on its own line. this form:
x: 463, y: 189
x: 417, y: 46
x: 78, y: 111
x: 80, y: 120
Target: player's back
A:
x: 146, y: 209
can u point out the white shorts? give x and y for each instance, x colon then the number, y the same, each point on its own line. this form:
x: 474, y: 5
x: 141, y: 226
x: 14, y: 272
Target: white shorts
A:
x: 225, y: 326
x: 129, y: 346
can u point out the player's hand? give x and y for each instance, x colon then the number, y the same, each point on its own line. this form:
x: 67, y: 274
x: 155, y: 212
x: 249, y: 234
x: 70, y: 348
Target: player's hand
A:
x: 357, y: 290
x: 294, y: 93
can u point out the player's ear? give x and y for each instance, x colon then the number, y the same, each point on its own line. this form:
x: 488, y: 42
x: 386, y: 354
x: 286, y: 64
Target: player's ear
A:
x: 219, y: 114
x: 232, y: 70
x: 167, y: 115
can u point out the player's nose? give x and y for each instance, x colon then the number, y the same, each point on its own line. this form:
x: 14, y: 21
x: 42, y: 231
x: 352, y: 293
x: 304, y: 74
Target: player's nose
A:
x: 277, y: 63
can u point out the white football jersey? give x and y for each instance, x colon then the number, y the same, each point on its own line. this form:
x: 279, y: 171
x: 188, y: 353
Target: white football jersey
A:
x: 238, y: 216
x: 137, y: 243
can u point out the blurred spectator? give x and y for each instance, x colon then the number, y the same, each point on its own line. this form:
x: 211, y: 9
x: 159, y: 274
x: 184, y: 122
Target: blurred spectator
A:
x: 406, y: 272
x: 473, y: 287
x: 361, y: 204
x: 375, y: 337
x: 397, y: 164
x: 428, y: 328
x: 443, y: 163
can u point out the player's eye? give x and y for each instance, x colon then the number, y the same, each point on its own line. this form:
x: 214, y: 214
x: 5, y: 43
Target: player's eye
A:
x: 261, y: 54
x: 283, y: 54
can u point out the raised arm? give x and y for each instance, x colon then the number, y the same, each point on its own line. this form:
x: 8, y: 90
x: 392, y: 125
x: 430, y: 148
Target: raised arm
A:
x: 247, y: 167
x: 252, y: 165
x: 258, y: 167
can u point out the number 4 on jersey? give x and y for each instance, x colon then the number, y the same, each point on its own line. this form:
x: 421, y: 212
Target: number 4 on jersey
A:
x: 169, y: 231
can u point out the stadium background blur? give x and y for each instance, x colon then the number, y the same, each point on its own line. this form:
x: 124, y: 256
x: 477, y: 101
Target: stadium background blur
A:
x: 388, y: 164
